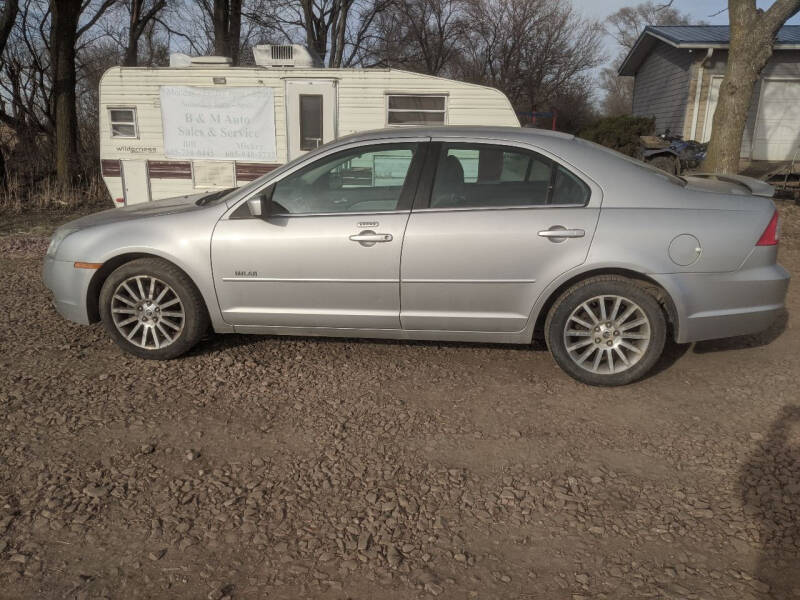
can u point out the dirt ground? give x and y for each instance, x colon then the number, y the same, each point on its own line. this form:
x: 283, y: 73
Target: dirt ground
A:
x: 269, y: 467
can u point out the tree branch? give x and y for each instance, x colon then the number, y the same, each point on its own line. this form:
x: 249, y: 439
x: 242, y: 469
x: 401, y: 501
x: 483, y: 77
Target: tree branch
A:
x: 780, y: 11
x: 7, y: 18
x: 100, y: 11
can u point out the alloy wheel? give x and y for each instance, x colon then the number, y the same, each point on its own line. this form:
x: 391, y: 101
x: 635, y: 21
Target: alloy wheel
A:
x: 607, y: 334
x: 147, y: 312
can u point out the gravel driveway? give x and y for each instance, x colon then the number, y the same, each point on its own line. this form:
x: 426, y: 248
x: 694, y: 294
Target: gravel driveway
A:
x: 268, y: 467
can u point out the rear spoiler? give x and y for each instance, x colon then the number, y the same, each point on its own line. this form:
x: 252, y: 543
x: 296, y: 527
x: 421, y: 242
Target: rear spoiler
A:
x: 755, y: 186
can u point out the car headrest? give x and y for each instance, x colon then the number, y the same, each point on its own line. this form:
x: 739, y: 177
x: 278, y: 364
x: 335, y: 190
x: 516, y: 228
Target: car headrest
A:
x: 452, y: 173
x: 490, y: 165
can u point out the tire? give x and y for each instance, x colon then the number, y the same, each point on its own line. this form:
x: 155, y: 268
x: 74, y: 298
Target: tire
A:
x: 665, y: 163
x: 634, y: 341
x: 152, y: 310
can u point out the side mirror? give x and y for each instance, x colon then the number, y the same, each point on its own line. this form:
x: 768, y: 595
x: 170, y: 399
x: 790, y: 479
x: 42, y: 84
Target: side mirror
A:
x: 261, y: 205
x: 255, y: 206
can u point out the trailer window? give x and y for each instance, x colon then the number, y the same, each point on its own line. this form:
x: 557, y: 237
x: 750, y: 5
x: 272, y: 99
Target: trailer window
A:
x: 123, y: 122
x: 310, y: 121
x: 416, y: 110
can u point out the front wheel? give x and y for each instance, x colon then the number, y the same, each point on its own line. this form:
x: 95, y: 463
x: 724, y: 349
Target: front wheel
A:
x: 606, y: 331
x: 152, y: 309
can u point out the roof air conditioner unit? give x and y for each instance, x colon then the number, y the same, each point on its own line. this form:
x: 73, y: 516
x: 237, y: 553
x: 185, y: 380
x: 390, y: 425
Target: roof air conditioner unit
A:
x: 283, y: 56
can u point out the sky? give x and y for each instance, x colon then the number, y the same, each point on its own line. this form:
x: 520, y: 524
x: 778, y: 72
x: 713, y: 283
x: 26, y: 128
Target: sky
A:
x: 699, y: 9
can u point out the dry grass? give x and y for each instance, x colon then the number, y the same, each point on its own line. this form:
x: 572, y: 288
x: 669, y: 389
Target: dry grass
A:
x: 46, y: 196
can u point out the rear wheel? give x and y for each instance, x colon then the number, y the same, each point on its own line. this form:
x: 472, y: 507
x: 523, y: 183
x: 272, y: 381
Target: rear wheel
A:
x: 152, y: 309
x: 607, y: 330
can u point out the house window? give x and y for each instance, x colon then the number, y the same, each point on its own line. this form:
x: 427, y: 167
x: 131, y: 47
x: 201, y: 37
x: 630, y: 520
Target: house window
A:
x: 123, y: 122
x: 416, y: 110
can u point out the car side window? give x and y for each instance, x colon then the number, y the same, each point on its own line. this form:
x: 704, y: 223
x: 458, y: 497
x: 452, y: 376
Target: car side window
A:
x: 366, y: 179
x: 491, y: 176
x: 568, y: 189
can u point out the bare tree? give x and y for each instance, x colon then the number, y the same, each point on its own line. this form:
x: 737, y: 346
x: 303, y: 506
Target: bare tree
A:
x: 141, y: 16
x: 753, y: 33
x: 360, y: 32
x: 532, y: 50
x: 618, y: 98
x: 226, y: 15
x: 625, y: 26
x: 49, y: 76
x: 324, y: 22
x: 421, y: 35
x: 26, y: 82
x: 574, y: 107
x: 64, y: 33
x: 187, y: 27
x: 338, y: 31
x: 207, y: 26
x: 8, y: 15
x: 222, y: 27
x: 64, y: 17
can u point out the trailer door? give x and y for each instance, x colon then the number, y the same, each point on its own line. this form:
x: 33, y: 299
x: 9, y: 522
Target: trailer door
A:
x: 310, y: 114
x: 135, y: 182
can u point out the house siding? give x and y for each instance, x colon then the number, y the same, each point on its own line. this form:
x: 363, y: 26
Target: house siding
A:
x: 661, y: 87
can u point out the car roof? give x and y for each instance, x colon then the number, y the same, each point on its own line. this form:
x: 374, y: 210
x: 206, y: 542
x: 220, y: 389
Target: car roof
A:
x: 526, y: 134
x: 614, y: 173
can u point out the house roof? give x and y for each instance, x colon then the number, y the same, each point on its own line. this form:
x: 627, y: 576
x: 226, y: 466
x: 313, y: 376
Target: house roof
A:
x: 695, y: 36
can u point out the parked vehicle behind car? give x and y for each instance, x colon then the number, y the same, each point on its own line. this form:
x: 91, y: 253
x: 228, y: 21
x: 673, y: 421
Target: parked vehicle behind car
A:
x: 671, y: 153
x: 465, y: 234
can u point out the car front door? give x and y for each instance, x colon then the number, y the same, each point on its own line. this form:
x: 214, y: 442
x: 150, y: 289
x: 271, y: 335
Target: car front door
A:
x: 498, y: 224
x: 328, y: 256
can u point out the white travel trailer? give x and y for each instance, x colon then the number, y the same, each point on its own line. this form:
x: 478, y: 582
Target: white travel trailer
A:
x: 201, y: 124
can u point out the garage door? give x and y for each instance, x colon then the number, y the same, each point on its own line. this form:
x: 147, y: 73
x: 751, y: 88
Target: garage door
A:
x: 777, y: 134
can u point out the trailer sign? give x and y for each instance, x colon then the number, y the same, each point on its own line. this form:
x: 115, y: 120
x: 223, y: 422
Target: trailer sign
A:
x: 231, y: 123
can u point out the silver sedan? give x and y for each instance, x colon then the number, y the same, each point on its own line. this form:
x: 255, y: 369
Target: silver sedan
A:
x: 465, y: 234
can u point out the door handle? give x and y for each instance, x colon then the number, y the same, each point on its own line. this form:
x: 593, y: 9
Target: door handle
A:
x: 371, y: 237
x: 368, y: 238
x: 553, y: 233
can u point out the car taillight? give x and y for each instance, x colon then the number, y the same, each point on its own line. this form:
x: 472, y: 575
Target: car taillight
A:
x: 771, y: 233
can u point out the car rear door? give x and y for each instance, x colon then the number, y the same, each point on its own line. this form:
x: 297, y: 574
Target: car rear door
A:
x: 493, y: 224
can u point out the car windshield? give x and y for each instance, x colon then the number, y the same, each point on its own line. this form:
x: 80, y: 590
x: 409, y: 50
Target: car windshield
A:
x: 638, y: 163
